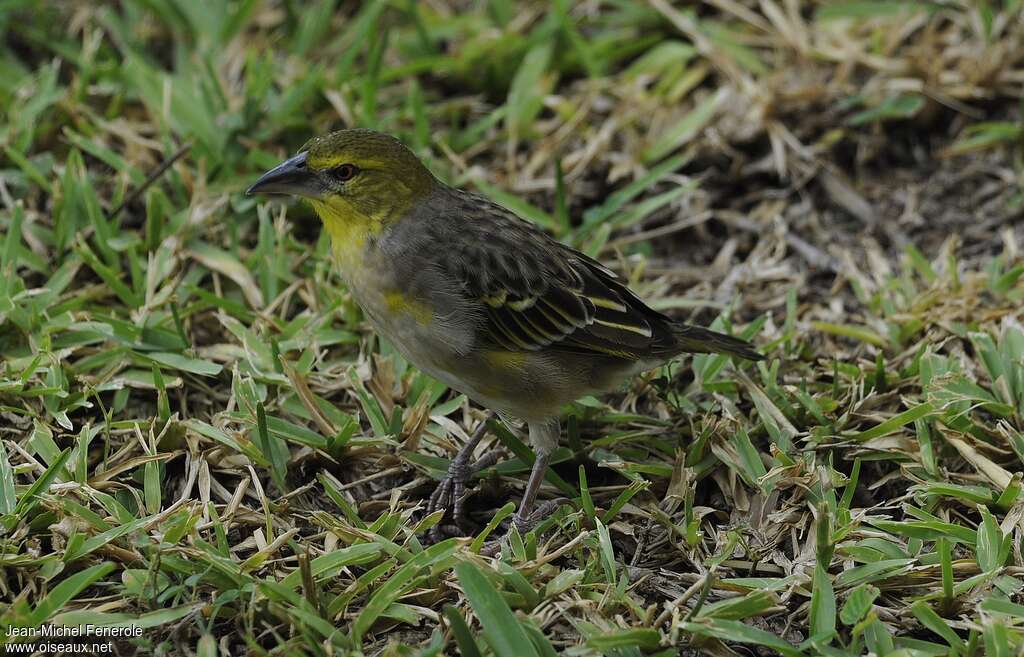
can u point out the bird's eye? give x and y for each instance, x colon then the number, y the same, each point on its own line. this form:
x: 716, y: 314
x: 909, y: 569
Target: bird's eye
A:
x: 345, y: 172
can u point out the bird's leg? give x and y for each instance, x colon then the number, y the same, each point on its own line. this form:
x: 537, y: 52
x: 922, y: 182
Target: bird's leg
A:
x: 544, y: 440
x: 525, y: 512
x: 451, y: 491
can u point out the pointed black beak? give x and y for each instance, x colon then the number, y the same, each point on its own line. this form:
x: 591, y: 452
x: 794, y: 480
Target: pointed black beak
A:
x: 291, y: 177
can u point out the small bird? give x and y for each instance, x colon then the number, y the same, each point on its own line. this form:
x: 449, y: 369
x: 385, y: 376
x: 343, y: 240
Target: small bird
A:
x: 477, y: 297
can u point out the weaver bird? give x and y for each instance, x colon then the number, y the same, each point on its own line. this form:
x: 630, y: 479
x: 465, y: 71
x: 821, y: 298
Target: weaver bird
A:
x: 477, y: 297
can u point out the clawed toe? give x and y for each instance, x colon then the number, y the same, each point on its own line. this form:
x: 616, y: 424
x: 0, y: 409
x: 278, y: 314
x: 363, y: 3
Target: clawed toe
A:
x: 441, y: 531
x: 523, y: 524
x: 450, y: 495
x: 542, y: 511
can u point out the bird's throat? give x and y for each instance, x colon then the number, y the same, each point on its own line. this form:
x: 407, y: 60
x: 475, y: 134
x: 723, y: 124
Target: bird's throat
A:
x: 350, y: 231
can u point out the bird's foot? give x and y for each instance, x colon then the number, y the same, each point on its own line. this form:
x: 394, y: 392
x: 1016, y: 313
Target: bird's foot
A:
x: 451, y: 494
x: 523, y: 524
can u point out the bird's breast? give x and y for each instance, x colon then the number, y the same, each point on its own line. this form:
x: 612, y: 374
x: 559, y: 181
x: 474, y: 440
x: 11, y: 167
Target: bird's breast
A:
x: 423, y: 321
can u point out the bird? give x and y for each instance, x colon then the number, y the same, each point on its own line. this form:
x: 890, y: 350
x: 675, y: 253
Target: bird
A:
x: 477, y: 297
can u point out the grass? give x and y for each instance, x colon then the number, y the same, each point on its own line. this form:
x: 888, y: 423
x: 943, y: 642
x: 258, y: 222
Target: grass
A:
x: 201, y: 438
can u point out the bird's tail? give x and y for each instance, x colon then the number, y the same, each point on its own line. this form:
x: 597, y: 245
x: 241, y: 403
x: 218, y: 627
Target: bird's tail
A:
x: 697, y: 340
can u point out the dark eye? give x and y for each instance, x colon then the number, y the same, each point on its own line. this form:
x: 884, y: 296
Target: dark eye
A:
x: 345, y: 172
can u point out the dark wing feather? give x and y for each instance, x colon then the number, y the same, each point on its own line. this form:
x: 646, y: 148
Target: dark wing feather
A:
x: 536, y: 293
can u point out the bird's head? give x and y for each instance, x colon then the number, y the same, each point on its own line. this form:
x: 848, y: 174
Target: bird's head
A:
x: 352, y: 175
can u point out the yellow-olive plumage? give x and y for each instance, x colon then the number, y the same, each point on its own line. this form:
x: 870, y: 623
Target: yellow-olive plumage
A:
x: 475, y: 296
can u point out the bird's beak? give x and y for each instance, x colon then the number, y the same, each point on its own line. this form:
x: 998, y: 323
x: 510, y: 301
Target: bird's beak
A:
x: 292, y: 177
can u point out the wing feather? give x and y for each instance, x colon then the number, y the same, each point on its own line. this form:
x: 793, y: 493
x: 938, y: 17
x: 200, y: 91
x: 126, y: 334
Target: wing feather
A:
x: 536, y: 293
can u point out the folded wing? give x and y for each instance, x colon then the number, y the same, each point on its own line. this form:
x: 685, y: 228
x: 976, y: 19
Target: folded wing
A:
x: 536, y: 293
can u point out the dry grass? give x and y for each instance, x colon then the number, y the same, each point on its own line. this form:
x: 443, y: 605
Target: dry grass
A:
x: 202, y: 438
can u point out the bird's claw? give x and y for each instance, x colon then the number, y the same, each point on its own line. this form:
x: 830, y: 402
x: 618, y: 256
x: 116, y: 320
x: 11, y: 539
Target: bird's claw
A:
x: 451, y: 494
x: 523, y: 524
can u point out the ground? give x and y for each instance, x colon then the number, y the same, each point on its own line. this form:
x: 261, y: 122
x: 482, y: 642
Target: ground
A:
x: 203, y: 439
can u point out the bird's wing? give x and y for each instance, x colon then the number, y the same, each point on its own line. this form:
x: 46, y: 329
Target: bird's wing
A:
x: 535, y: 293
